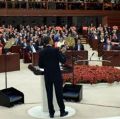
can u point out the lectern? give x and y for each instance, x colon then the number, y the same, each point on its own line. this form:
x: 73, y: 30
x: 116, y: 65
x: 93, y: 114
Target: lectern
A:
x: 44, y: 97
x: 38, y: 71
x: 42, y: 110
x: 10, y: 96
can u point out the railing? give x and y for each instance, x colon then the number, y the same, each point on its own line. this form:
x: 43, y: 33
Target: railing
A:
x: 62, y: 5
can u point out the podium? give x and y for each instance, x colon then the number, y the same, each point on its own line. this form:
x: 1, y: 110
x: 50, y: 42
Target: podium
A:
x: 43, y: 91
x: 44, y: 97
x: 41, y: 111
x: 10, y: 96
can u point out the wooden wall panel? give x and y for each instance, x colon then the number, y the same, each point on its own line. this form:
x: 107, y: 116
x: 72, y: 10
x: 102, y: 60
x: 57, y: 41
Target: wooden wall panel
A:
x: 112, y: 20
x: 33, y: 12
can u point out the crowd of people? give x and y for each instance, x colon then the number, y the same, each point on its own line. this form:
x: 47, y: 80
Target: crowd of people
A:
x: 31, y: 38
x: 109, y: 36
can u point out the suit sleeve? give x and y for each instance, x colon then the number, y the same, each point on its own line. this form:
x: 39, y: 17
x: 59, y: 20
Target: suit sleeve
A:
x: 61, y: 57
x: 82, y: 47
x: 41, y: 61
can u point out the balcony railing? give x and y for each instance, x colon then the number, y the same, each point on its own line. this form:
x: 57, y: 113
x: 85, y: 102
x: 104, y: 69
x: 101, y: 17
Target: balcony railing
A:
x: 61, y: 5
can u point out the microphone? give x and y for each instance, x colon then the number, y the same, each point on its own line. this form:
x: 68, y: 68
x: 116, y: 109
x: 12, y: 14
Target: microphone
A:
x: 109, y: 57
x: 92, y: 55
x: 99, y: 58
x: 79, y: 57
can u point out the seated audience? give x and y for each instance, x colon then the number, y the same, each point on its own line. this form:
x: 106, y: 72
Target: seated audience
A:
x: 78, y: 46
x: 108, y: 45
x: 31, y: 48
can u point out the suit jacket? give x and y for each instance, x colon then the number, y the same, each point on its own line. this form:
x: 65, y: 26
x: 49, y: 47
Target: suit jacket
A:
x: 29, y: 49
x: 49, y: 59
x: 81, y: 47
x: 107, y: 47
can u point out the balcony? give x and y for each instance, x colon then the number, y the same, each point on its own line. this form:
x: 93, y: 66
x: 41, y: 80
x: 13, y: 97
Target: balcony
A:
x: 57, y: 8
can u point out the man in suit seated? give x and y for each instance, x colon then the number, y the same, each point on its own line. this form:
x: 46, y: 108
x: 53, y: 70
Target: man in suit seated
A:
x: 31, y: 48
x: 79, y: 46
x: 108, y: 45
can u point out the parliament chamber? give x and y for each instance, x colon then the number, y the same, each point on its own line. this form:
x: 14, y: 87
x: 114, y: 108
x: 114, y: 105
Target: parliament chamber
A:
x: 90, y: 32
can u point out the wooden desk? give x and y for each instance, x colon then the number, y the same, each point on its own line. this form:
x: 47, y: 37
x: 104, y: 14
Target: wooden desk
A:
x: 100, y: 49
x: 11, y: 61
x: 95, y: 44
x: 35, y: 58
x: 17, y: 49
x: 79, y: 55
x: 113, y: 56
x: 76, y: 55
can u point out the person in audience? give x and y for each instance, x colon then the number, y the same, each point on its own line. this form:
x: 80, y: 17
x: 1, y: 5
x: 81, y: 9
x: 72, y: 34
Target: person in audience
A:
x: 60, y: 42
x: 115, y: 38
x: 108, y: 45
x: 49, y: 61
x: 79, y: 46
x: 23, y: 42
x: 3, y: 39
x: 31, y: 48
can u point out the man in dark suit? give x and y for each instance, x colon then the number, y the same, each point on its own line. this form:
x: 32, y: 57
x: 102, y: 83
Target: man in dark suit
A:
x: 49, y: 60
x: 78, y: 45
x: 32, y: 48
x: 108, y: 45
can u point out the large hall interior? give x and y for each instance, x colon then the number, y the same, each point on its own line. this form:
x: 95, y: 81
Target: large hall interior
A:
x: 89, y: 30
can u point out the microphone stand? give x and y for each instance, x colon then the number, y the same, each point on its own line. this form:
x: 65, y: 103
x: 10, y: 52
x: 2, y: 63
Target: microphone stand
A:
x: 73, y: 61
x: 5, y: 64
x: 72, y: 68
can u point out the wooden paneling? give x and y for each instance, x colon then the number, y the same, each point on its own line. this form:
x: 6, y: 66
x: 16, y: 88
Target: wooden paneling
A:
x: 70, y: 55
x: 114, y: 20
x: 41, y: 12
x: 113, y: 56
x: 9, y: 62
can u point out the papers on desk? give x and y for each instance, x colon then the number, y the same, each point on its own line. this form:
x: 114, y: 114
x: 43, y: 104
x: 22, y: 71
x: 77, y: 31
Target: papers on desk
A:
x: 38, y: 68
x: 41, y: 69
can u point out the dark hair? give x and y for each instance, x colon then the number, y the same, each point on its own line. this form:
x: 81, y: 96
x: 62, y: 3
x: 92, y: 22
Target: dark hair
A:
x: 46, y: 40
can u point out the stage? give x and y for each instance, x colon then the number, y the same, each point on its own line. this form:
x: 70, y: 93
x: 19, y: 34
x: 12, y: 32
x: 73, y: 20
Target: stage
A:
x: 99, y: 100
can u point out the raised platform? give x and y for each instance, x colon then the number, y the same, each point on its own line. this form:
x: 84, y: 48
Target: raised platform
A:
x: 38, y: 112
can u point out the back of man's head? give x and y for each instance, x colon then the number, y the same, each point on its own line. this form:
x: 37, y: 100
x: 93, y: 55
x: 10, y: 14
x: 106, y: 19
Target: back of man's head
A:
x: 46, y: 40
